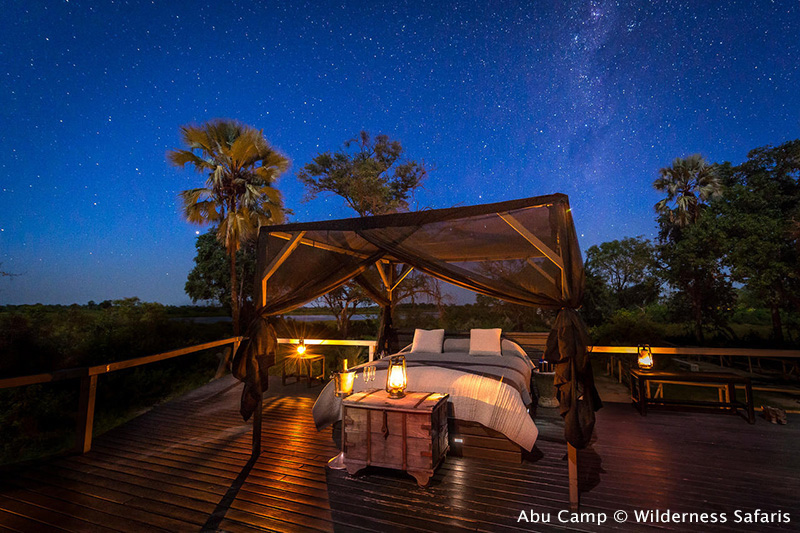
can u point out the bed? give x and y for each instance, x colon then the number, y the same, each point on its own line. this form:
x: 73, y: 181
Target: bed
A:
x: 492, y: 392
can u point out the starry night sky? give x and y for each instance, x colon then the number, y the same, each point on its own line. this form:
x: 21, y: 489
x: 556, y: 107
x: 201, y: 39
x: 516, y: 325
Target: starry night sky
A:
x: 503, y: 99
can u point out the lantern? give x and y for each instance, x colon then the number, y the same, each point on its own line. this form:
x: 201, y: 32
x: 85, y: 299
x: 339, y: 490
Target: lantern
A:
x: 396, y: 379
x: 645, y: 357
x: 343, y: 383
x: 301, y: 347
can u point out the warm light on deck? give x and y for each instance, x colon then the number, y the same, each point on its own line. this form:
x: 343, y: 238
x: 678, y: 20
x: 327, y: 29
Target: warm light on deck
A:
x: 301, y: 348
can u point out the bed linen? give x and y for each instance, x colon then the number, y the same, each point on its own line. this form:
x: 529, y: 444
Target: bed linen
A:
x: 491, y: 390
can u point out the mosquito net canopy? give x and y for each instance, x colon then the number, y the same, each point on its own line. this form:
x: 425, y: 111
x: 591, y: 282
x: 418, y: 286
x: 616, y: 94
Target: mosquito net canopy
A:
x: 522, y: 251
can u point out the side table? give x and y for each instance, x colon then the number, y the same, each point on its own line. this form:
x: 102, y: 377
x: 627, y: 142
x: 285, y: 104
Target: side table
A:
x: 408, y: 433
x: 303, y: 368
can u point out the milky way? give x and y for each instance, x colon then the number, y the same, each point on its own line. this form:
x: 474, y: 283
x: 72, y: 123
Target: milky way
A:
x: 503, y: 100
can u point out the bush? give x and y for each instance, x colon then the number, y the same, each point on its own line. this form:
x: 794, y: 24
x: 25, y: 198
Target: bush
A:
x: 628, y: 328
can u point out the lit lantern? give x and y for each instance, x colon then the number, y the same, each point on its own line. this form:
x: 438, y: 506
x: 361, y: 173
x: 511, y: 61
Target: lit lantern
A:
x: 343, y: 383
x: 645, y: 357
x: 301, y: 347
x: 396, y: 379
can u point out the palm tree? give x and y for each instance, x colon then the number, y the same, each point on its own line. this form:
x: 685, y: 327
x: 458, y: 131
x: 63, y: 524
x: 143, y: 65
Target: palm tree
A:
x: 239, y: 195
x: 690, y: 183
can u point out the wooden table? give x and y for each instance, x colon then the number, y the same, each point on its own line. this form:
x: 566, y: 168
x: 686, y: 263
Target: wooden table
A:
x: 303, y: 368
x: 640, y: 390
x: 408, y: 434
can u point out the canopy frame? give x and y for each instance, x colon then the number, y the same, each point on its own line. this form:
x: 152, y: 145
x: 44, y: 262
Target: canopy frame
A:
x: 523, y: 251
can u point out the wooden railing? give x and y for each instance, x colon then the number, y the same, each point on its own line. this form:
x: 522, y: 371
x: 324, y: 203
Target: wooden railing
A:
x: 791, y: 357
x: 88, y: 375
x: 88, y: 383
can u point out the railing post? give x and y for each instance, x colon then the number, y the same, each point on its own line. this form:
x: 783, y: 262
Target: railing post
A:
x: 85, y: 419
x: 224, y: 362
x: 572, y: 459
x: 371, y: 349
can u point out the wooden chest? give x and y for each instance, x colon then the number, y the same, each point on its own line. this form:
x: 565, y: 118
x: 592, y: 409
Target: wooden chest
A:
x: 407, y: 434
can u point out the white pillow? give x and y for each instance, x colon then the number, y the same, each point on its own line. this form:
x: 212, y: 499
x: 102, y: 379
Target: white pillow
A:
x: 485, y: 341
x: 428, y: 341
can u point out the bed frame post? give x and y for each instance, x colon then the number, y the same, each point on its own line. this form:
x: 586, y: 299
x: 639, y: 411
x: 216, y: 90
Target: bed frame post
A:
x: 572, y: 459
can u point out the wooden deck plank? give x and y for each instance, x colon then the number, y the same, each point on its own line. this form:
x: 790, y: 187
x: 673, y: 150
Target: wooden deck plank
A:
x: 23, y: 524
x: 182, y: 466
x: 76, y: 505
x: 14, y: 502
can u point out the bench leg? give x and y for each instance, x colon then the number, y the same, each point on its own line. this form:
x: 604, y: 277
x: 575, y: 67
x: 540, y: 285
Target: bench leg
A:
x: 731, y: 397
x: 643, y: 383
x: 748, y: 393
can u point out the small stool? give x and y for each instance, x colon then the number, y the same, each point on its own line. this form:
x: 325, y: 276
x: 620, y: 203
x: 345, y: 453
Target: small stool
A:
x: 303, y: 368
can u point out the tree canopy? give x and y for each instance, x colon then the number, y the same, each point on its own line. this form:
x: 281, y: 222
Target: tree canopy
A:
x: 628, y: 268
x: 690, y: 183
x: 370, y: 173
x: 759, y: 215
x: 210, y: 278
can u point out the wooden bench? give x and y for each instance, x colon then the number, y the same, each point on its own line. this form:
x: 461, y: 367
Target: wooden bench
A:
x: 640, y: 390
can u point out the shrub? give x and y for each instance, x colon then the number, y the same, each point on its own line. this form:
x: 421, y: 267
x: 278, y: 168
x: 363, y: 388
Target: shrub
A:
x: 628, y: 328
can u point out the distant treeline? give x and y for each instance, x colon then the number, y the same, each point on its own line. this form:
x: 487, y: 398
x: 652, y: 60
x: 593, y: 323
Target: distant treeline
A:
x: 39, y: 419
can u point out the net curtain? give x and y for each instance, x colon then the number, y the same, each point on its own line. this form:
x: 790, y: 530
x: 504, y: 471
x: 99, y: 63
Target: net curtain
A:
x: 524, y: 251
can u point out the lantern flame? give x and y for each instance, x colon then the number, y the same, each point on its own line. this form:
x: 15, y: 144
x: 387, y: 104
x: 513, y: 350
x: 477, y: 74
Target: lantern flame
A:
x: 396, y: 378
x: 645, y: 357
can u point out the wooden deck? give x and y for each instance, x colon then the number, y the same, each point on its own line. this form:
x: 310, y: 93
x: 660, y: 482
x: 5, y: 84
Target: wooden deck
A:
x: 184, y: 466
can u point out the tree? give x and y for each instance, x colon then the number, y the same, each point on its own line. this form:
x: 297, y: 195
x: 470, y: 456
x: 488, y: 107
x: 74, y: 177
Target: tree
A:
x: 690, y: 183
x: 628, y: 268
x: 370, y: 174
x: 210, y: 279
x: 374, y: 178
x: 239, y: 195
x: 759, y: 214
x: 693, y: 265
x: 343, y: 302
x: 694, y: 268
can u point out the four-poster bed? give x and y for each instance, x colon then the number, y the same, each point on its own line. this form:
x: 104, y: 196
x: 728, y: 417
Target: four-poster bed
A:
x: 522, y: 251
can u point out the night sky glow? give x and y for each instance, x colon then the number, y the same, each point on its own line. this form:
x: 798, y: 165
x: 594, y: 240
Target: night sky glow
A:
x: 504, y: 100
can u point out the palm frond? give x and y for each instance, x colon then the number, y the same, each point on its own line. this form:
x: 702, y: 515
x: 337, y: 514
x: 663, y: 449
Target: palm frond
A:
x: 192, y: 196
x: 204, y: 212
x: 181, y: 158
